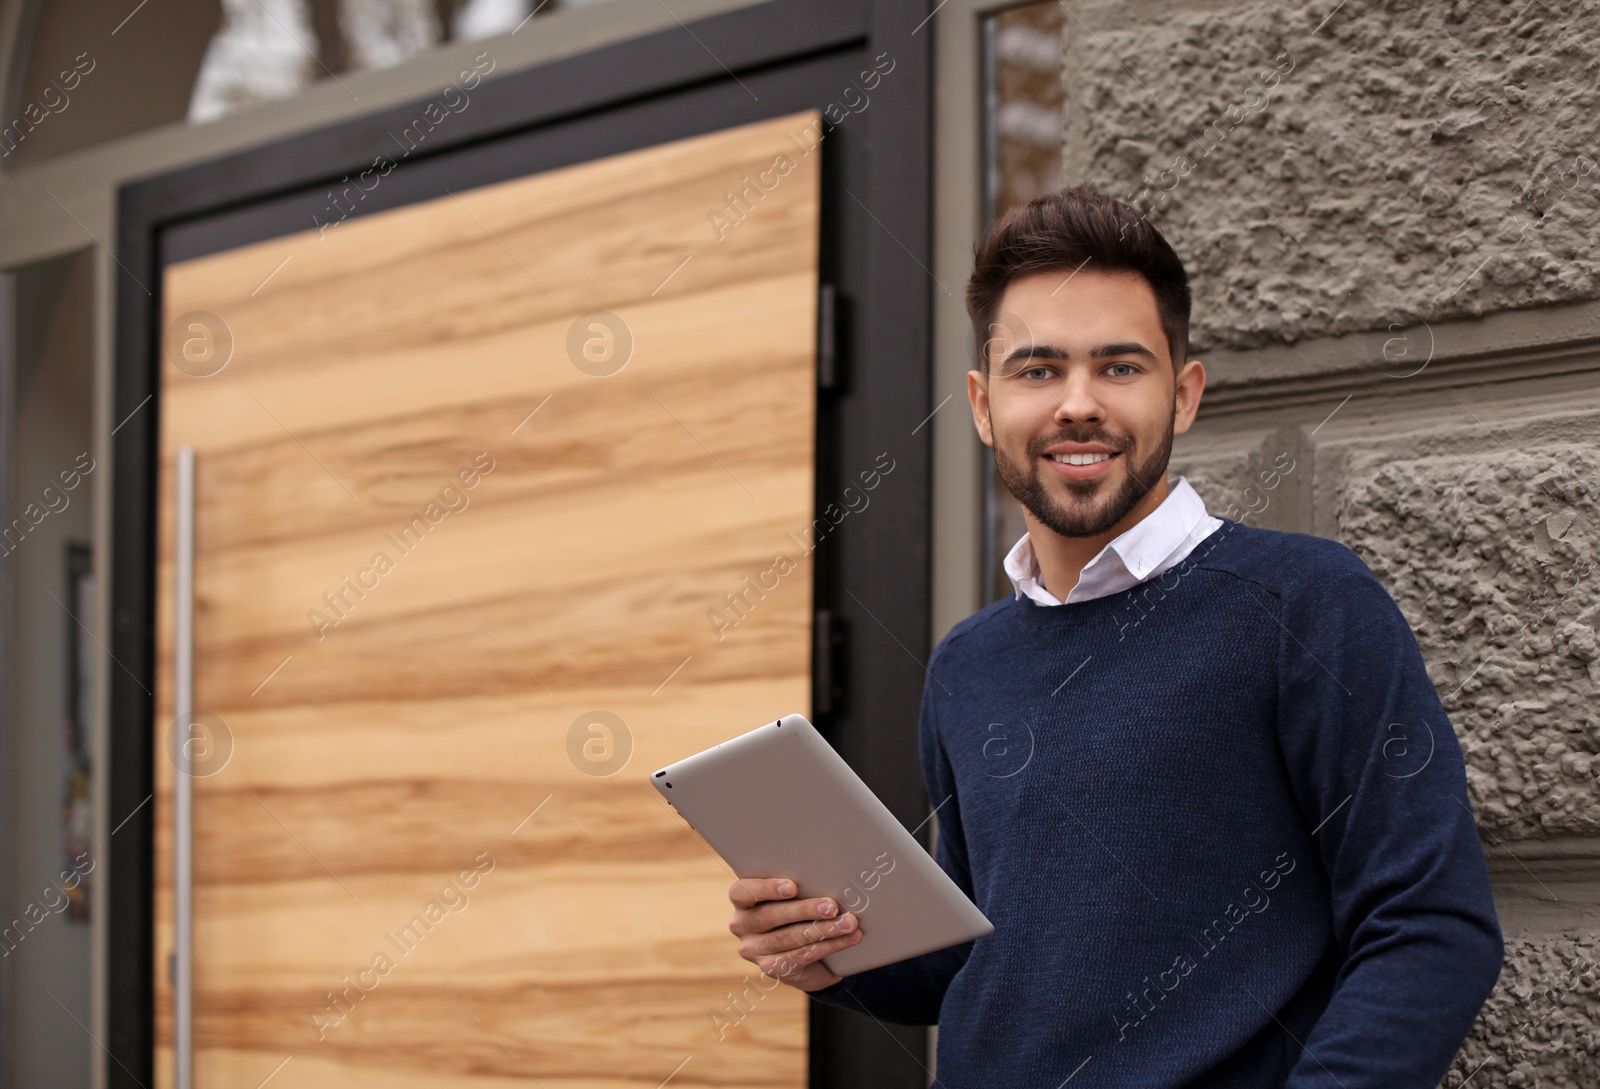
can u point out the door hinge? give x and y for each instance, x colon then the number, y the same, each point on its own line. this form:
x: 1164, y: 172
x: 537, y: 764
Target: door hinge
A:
x: 832, y: 330
x: 830, y: 638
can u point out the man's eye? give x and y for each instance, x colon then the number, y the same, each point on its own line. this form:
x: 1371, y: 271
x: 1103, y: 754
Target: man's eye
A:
x: 1122, y: 370
x: 1036, y: 372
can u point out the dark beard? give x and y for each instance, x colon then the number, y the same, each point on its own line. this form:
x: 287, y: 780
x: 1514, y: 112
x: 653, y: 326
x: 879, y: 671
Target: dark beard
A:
x: 1084, y: 519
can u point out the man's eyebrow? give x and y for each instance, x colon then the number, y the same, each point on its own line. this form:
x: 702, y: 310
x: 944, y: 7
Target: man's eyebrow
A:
x: 1103, y: 351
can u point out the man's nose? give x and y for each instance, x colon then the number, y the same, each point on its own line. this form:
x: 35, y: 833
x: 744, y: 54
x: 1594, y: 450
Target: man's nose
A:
x: 1078, y: 401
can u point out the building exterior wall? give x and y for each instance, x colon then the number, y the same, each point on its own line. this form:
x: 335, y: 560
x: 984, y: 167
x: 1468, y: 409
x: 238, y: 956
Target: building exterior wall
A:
x: 1388, y: 213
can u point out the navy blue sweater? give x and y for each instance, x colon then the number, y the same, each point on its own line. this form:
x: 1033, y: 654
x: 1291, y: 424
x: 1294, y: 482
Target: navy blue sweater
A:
x: 1220, y: 823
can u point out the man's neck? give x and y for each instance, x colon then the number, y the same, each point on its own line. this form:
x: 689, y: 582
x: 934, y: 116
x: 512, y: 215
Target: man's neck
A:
x: 1062, y: 559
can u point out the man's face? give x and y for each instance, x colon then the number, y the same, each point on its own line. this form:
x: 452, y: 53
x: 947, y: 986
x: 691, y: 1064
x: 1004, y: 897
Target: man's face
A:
x: 1081, y: 402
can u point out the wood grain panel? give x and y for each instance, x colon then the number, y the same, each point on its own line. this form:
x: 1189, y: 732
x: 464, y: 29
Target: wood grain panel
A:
x: 403, y: 739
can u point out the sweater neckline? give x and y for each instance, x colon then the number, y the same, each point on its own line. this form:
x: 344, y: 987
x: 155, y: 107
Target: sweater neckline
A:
x: 1078, y: 613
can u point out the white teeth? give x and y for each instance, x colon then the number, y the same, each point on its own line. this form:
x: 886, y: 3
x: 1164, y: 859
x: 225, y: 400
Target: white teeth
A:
x: 1081, y: 459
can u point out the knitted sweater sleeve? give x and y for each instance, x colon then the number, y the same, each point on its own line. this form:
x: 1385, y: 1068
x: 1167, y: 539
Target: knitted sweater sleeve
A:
x: 910, y: 992
x: 1378, y: 772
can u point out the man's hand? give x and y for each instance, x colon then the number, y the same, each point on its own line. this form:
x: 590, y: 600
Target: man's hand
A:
x: 788, y: 938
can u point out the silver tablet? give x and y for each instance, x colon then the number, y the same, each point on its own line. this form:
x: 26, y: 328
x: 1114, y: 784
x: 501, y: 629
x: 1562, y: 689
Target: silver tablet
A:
x: 780, y: 802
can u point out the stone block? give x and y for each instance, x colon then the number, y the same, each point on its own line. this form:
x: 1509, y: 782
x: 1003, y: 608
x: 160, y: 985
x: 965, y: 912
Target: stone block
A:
x: 1491, y: 556
x: 1541, y: 1025
x: 1324, y: 169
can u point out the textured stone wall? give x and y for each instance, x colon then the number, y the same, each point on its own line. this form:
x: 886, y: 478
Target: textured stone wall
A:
x: 1539, y: 1028
x: 1335, y: 173
x: 1493, y: 562
x: 1403, y: 161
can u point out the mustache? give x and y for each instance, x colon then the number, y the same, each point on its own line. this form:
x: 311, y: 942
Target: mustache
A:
x: 1101, y: 435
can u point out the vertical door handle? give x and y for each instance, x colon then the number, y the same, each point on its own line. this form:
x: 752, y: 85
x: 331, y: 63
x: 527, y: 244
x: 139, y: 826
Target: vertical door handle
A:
x: 183, y: 782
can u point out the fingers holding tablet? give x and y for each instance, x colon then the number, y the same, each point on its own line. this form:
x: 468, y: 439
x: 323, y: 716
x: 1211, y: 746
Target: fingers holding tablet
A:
x: 785, y: 937
x: 747, y: 892
x: 765, y: 904
x: 780, y: 800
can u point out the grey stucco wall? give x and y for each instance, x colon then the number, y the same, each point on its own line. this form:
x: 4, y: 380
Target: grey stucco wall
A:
x: 1392, y: 243
x: 1490, y: 568
x: 1401, y: 162
x: 1538, y: 1028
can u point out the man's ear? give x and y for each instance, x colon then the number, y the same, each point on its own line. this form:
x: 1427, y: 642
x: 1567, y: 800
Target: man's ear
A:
x: 978, y: 395
x: 1191, y: 383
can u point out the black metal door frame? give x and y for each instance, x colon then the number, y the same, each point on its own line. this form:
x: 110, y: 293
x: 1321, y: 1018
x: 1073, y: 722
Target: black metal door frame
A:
x: 872, y: 584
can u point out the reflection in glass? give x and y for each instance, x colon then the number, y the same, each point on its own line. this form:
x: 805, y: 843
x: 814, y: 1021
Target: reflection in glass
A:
x: 272, y: 49
x: 1022, y: 147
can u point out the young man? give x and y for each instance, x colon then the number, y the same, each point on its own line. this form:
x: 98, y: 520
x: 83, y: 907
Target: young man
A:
x: 1239, y: 851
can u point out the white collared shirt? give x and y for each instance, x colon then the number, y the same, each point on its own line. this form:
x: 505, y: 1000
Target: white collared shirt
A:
x: 1157, y: 542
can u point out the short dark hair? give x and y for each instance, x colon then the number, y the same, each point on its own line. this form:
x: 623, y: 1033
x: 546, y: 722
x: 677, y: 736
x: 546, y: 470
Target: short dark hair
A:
x: 1067, y: 229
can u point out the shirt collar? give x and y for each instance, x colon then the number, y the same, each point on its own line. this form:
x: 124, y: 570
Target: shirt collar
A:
x: 1140, y: 549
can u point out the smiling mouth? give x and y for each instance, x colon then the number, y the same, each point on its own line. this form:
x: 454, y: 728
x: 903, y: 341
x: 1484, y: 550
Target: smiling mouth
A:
x: 1080, y: 459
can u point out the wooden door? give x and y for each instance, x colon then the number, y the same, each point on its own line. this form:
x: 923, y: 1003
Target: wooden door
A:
x: 474, y: 487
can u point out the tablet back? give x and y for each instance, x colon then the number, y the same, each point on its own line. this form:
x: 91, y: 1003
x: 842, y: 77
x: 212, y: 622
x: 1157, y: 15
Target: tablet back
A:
x: 780, y: 802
